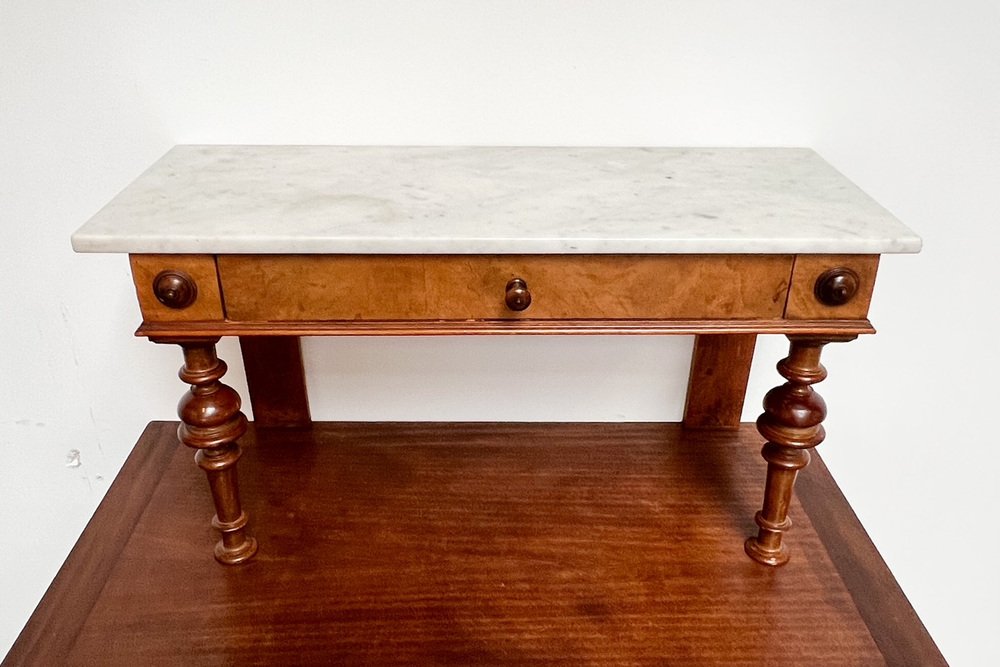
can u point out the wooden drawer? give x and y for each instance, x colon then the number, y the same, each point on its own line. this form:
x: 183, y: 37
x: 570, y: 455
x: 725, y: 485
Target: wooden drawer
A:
x: 177, y: 288
x: 852, y: 275
x: 461, y: 287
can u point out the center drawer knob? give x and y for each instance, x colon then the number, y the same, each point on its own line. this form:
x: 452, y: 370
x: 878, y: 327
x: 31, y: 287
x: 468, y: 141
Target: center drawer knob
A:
x: 517, y: 297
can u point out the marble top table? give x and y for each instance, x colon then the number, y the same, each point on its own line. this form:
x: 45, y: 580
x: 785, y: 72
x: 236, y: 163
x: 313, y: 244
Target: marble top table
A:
x: 270, y: 243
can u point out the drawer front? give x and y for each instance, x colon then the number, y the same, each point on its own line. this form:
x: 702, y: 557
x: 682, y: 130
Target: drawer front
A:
x: 177, y: 288
x: 273, y: 288
x: 831, y: 287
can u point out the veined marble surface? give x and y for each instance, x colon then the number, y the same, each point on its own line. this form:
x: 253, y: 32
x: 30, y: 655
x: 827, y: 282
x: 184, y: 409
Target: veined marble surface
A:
x: 328, y: 199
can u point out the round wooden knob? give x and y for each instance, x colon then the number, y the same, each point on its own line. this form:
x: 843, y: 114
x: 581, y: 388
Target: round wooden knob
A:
x: 517, y: 297
x: 837, y: 286
x: 175, y: 289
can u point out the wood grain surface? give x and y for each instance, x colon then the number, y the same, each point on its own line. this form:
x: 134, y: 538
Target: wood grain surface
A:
x: 461, y: 287
x: 486, y: 544
x: 802, y: 301
x: 276, y: 380
x: 201, y: 268
x: 894, y: 624
x: 174, y: 330
x: 717, y: 385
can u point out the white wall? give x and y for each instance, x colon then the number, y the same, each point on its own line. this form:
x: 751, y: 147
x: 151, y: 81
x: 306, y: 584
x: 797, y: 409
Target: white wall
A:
x: 901, y: 96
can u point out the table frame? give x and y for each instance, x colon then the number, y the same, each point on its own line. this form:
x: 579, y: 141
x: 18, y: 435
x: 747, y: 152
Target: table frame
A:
x: 791, y: 424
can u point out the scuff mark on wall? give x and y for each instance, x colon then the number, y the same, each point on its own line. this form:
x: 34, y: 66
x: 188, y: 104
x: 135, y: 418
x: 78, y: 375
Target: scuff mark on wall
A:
x: 73, y: 458
x: 97, y: 431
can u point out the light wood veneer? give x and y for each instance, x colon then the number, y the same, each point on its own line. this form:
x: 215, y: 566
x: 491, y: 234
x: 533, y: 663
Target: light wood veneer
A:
x: 310, y: 289
x: 457, y: 287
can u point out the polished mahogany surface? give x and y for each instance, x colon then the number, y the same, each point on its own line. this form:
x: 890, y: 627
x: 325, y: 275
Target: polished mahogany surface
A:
x: 473, y: 544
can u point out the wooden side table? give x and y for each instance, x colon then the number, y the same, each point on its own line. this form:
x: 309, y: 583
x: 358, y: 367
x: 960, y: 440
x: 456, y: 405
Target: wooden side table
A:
x: 278, y: 242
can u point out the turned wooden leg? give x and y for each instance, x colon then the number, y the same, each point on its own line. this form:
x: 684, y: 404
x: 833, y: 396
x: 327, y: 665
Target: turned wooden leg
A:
x: 211, y: 423
x: 792, y: 424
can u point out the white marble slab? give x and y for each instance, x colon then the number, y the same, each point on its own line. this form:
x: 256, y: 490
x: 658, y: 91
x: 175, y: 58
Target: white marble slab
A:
x: 324, y: 199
